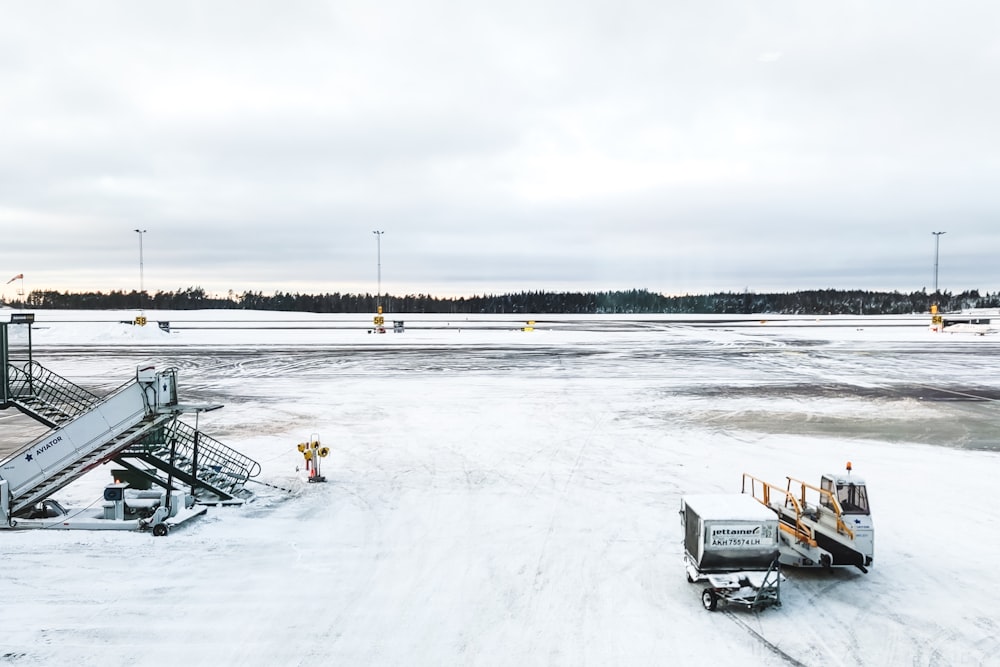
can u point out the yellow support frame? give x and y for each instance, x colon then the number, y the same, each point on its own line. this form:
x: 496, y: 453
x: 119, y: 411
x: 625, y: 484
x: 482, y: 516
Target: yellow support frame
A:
x: 833, y: 504
x: 801, y: 532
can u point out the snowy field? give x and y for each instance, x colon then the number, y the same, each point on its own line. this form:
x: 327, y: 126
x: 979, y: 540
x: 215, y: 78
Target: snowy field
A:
x: 507, y: 497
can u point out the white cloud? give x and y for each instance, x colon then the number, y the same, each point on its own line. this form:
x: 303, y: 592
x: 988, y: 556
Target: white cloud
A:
x: 252, y: 140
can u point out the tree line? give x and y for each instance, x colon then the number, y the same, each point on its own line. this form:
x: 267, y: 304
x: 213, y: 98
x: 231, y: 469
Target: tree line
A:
x: 637, y: 301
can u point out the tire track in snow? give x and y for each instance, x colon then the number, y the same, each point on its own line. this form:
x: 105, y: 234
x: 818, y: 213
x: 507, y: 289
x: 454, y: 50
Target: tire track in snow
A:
x: 536, y: 583
x: 768, y: 644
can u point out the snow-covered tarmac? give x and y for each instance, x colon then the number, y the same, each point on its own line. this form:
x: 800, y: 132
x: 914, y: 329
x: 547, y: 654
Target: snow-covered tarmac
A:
x: 508, y: 497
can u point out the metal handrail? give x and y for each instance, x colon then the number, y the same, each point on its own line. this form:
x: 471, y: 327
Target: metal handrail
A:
x: 834, y: 504
x: 37, y: 382
x: 214, y: 458
x: 802, y: 532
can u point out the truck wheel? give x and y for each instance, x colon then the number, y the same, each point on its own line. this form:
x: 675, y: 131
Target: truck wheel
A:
x: 709, y: 599
x: 160, y: 529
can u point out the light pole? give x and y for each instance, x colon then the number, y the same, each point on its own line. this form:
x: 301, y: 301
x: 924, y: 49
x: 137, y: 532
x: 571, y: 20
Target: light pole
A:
x: 378, y: 297
x: 142, y: 286
x: 937, y: 245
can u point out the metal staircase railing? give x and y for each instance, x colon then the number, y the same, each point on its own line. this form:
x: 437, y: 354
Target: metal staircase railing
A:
x: 46, y: 396
x: 198, y: 460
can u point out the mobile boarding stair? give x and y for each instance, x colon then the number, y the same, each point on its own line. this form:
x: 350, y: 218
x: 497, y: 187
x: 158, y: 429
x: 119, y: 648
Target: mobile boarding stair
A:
x: 138, y: 427
x: 820, y: 526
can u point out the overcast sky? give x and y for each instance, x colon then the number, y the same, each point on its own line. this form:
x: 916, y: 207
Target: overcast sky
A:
x: 681, y: 147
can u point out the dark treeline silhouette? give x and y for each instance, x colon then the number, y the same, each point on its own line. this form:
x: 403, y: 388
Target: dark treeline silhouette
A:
x: 809, y: 302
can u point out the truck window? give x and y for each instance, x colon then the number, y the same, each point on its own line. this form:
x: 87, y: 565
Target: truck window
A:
x: 853, y: 498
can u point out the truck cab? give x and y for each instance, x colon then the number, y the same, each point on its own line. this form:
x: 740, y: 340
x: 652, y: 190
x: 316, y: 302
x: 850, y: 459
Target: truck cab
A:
x: 852, y: 496
x: 850, y: 492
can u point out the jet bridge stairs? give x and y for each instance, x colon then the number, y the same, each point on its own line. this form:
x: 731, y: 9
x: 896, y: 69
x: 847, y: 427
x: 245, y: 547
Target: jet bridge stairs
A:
x: 137, y: 426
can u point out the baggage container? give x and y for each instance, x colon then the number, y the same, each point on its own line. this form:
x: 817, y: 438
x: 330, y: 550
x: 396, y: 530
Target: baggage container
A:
x: 731, y: 541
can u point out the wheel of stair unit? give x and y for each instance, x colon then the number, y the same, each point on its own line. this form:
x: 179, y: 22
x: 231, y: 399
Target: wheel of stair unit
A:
x: 709, y: 599
x: 160, y: 529
x: 690, y: 578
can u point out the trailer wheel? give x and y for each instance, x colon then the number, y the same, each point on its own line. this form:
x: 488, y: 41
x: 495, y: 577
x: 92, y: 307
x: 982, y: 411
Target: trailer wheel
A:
x: 709, y: 599
x: 160, y: 529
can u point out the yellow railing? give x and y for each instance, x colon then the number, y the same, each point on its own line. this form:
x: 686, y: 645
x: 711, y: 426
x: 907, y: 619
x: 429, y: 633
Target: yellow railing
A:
x: 831, y: 504
x: 801, y: 532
